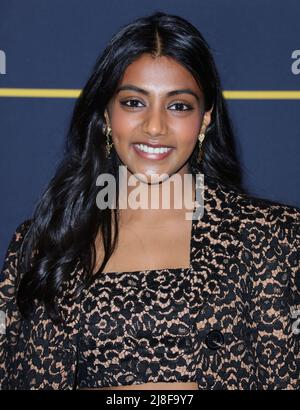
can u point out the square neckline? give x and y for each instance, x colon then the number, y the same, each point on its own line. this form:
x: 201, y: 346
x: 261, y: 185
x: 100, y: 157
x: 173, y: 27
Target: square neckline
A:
x: 182, y: 269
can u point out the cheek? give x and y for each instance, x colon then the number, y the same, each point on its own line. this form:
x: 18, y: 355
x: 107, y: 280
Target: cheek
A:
x: 186, y: 133
x: 123, y: 125
x: 187, y: 144
x: 186, y: 125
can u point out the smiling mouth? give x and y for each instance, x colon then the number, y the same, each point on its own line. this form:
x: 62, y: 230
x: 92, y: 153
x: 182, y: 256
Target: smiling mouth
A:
x: 149, y: 152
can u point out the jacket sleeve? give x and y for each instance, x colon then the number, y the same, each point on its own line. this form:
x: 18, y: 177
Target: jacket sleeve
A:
x: 277, y: 304
x: 9, y: 313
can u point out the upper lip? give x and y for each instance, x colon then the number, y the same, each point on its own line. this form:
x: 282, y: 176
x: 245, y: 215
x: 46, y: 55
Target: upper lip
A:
x: 154, y: 145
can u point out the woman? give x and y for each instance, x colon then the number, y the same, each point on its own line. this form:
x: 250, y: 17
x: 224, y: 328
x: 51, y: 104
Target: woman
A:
x: 121, y: 298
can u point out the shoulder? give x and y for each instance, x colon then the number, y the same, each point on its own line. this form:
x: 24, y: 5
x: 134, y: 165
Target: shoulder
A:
x: 252, y: 210
x: 9, y: 267
x: 19, y: 234
x: 268, y: 232
x: 17, y: 238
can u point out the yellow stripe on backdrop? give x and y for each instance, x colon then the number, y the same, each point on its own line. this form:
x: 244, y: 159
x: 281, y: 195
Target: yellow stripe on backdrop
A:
x: 74, y: 93
x: 262, y: 95
x: 39, y: 92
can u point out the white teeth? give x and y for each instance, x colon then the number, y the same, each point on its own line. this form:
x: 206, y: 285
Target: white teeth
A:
x: 151, y: 150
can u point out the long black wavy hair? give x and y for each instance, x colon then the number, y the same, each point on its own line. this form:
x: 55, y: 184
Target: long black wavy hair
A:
x: 66, y: 220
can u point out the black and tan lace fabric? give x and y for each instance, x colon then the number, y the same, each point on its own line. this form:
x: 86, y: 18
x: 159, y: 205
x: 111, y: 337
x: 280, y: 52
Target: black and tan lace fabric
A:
x: 227, y: 322
x: 136, y: 328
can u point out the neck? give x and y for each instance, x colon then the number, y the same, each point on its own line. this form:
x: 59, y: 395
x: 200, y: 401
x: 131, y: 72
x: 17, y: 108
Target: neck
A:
x: 153, y: 202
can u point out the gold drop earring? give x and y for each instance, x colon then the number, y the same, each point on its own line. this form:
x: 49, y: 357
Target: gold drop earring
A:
x: 201, y: 137
x: 107, y: 131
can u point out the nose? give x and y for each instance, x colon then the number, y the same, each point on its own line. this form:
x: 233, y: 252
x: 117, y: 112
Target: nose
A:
x: 155, y: 122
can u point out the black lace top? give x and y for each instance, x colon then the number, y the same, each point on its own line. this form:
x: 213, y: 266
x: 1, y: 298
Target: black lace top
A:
x: 137, y: 327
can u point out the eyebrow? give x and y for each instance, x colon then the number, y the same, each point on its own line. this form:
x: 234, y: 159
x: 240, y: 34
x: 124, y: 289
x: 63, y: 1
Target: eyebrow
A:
x: 169, y: 93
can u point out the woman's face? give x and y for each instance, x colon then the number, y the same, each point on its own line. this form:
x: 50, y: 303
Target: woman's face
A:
x: 157, y: 104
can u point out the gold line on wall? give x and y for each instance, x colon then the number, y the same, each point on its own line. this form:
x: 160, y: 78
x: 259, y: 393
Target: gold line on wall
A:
x: 74, y: 93
x: 39, y: 92
x: 262, y: 95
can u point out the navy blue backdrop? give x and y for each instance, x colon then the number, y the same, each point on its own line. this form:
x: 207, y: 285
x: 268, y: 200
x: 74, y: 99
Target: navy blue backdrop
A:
x: 54, y: 44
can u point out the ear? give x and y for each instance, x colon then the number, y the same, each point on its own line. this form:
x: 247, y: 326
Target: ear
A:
x: 207, y: 117
x: 106, y: 116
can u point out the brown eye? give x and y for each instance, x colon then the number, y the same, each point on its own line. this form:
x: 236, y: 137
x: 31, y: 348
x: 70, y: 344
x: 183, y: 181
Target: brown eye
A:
x: 189, y: 107
x: 125, y: 103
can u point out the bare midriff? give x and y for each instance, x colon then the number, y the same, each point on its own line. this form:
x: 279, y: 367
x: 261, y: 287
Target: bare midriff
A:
x: 153, y: 386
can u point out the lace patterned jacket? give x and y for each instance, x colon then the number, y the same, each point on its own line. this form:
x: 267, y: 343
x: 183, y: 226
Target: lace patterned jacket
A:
x: 245, y: 253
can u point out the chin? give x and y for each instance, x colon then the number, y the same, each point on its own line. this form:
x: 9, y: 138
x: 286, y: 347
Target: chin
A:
x: 154, y: 176
x: 147, y: 178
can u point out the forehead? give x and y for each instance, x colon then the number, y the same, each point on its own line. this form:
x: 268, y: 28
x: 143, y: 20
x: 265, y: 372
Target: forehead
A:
x: 164, y: 72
